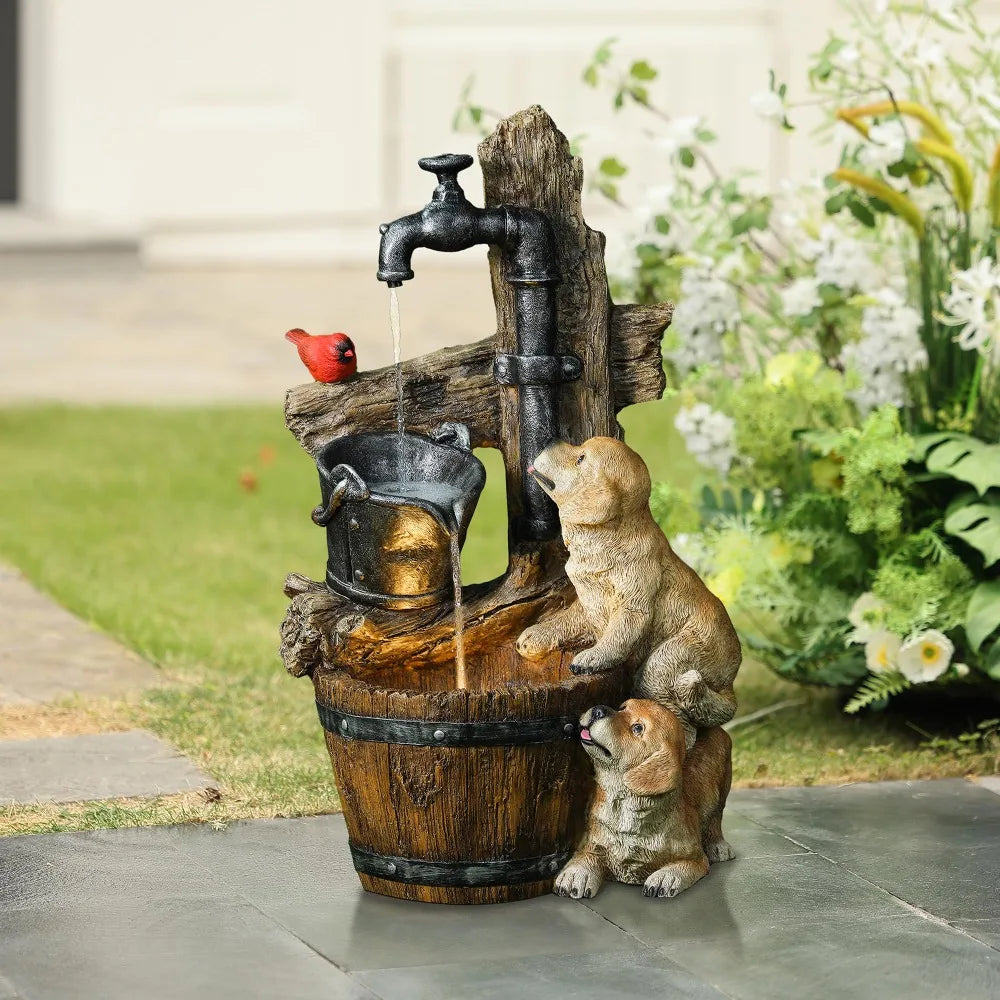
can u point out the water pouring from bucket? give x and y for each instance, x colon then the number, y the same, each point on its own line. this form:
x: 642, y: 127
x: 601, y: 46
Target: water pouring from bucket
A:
x: 395, y: 541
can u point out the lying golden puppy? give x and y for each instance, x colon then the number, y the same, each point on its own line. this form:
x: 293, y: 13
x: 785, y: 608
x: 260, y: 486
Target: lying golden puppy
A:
x: 656, y: 814
x: 637, y: 603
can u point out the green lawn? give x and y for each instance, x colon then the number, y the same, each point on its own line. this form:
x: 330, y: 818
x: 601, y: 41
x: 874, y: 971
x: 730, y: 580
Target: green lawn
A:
x: 139, y: 520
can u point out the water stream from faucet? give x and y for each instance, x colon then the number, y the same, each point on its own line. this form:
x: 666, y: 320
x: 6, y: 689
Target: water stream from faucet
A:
x: 461, y: 681
x: 397, y: 362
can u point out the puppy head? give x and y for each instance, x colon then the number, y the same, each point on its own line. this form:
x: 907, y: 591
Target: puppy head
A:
x: 641, y: 745
x: 595, y: 482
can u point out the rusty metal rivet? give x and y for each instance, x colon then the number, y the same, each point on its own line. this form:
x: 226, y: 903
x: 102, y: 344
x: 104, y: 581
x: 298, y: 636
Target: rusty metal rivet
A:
x: 343, y: 725
x: 391, y: 868
x: 439, y: 735
x: 569, y: 728
x: 354, y: 524
x: 359, y: 574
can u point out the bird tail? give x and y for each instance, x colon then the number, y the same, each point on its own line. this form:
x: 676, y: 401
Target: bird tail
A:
x: 297, y: 336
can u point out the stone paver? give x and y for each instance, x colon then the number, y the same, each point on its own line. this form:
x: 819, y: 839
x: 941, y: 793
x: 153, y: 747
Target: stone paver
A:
x: 95, y: 766
x: 813, y: 907
x: 99, y: 327
x: 47, y: 653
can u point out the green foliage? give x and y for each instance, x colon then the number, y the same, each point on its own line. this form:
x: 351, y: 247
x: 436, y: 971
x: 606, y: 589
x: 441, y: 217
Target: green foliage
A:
x: 673, y: 510
x: 985, y: 738
x: 977, y: 523
x: 767, y: 411
x: 920, y: 591
x: 876, y: 691
x: 874, y: 457
x: 960, y: 456
x: 983, y: 614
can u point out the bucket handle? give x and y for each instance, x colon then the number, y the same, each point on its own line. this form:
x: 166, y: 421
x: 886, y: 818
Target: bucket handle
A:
x: 349, y: 484
x: 453, y: 433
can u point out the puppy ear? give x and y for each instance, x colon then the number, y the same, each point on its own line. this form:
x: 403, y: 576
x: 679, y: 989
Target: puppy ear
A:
x: 591, y: 506
x: 656, y: 775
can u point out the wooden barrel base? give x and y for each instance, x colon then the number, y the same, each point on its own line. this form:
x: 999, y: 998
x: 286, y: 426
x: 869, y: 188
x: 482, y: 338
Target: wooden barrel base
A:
x: 462, y: 796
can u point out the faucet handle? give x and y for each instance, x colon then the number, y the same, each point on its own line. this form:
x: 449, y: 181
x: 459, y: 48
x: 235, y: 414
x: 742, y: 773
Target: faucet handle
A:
x: 447, y: 167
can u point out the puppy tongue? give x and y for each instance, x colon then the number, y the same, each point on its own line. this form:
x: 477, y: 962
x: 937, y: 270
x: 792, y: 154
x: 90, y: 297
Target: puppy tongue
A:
x: 585, y: 734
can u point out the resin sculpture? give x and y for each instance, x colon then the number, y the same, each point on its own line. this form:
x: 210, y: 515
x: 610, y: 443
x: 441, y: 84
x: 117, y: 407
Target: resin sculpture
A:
x: 457, y: 760
x: 656, y: 815
x: 638, y: 608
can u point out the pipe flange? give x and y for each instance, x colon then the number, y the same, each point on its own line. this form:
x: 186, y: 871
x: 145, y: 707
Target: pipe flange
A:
x: 522, y: 369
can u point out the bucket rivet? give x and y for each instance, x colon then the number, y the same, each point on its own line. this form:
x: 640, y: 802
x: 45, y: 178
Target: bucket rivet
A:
x: 354, y: 524
x: 569, y: 729
x: 359, y: 574
x: 439, y: 735
x: 343, y: 725
x: 391, y: 868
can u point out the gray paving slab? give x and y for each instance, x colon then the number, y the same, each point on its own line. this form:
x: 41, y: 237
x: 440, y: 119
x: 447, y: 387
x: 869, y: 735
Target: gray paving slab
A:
x: 321, y: 901
x: 932, y: 843
x: 987, y: 931
x: 272, y: 908
x: 95, y: 766
x: 179, y: 948
x: 48, y: 653
x: 636, y: 973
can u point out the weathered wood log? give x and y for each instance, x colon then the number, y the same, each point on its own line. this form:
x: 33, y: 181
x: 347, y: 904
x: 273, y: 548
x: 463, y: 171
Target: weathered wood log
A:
x: 443, y: 811
x: 456, y: 383
x: 525, y: 162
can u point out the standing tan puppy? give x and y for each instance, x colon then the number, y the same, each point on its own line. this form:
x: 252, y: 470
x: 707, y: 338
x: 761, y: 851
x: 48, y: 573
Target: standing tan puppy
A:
x: 656, y: 814
x: 637, y: 604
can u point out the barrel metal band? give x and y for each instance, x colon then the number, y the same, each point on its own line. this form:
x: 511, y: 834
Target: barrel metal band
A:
x: 420, y: 733
x: 466, y: 874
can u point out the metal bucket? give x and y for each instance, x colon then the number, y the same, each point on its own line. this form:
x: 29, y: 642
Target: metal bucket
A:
x: 391, y: 504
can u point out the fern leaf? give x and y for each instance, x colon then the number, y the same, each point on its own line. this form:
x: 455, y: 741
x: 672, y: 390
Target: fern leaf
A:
x: 878, y: 687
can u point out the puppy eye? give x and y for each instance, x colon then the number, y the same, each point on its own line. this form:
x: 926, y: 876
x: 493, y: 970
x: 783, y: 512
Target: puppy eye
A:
x: 580, y: 459
x: 637, y: 729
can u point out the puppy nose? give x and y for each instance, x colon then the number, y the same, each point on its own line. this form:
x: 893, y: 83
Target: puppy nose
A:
x: 600, y: 712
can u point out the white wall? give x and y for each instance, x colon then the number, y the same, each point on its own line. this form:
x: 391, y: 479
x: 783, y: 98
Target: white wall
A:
x: 250, y: 129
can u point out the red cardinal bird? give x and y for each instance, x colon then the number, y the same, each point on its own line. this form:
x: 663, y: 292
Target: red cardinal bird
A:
x: 329, y: 358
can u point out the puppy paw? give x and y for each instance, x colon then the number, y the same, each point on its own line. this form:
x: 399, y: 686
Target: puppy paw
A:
x: 669, y: 880
x: 578, y: 882
x: 662, y: 885
x: 590, y: 661
x: 719, y: 851
x: 535, y: 642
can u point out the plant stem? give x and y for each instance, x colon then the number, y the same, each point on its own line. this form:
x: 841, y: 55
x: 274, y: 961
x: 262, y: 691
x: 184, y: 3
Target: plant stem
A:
x: 977, y: 377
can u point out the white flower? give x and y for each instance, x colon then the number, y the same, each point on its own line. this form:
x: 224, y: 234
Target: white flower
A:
x: 867, y: 616
x: 708, y: 306
x: 885, y: 146
x: 895, y: 327
x: 801, y: 297
x: 890, y: 347
x: 881, y: 651
x: 708, y: 435
x: 926, y: 657
x: 841, y: 261
x: 916, y: 48
x: 973, y: 304
x: 847, y: 56
x: 680, y: 132
x: 768, y: 105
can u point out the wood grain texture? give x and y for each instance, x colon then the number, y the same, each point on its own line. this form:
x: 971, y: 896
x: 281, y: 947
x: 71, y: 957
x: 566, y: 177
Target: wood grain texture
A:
x: 465, y: 804
x: 526, y: 162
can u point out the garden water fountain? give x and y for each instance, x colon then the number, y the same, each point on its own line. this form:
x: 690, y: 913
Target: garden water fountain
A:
x: 459, y: 773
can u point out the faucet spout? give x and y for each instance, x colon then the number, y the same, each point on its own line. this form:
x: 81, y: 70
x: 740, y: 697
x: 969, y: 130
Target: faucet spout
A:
x: 448, y: 223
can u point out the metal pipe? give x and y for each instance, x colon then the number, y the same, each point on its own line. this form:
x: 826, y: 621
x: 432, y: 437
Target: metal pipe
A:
x: 449, y: 222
